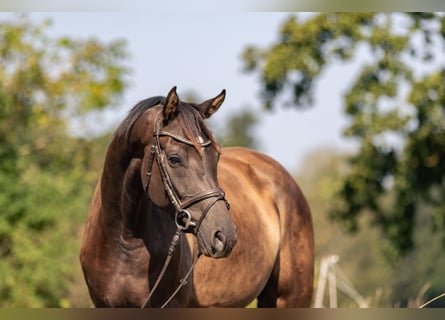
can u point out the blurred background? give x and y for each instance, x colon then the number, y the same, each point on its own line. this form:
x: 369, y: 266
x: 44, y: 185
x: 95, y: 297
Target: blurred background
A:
x: 352, y: 104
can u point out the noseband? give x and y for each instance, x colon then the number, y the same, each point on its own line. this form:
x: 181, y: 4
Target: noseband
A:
x: 183, y: 217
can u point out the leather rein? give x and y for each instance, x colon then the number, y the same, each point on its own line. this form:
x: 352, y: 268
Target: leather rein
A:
x: 183, y: 219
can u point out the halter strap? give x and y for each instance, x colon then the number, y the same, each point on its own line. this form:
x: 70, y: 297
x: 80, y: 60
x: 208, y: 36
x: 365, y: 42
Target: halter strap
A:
x: 191, y: 200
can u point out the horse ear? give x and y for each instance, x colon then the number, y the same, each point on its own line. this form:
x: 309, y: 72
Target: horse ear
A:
x: 170, y: 109
x: 210, y: 106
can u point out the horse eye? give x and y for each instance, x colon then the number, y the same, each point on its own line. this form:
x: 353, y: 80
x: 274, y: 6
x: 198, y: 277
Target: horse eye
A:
x: 174, y: 161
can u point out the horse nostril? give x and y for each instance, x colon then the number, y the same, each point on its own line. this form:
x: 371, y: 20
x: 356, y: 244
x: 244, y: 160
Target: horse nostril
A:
x: 219, y: 242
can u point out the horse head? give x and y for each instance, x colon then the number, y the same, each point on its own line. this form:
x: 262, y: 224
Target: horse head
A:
x: 179, y: 171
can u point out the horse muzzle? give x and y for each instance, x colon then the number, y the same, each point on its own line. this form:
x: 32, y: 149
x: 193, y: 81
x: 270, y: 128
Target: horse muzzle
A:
x: 219, y: 242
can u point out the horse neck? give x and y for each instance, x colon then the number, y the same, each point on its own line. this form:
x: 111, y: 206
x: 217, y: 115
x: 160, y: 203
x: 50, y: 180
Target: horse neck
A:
x: 137, y: 224
x: 123, y: 200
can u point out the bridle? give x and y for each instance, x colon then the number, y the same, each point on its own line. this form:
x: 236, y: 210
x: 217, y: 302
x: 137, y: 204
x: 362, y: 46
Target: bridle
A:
x: 183, y: 219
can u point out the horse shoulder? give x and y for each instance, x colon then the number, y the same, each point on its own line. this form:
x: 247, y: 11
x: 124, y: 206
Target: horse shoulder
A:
x: 113, y: 260
x: 231, y: 281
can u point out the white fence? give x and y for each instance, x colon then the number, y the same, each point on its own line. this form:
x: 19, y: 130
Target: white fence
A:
x: 331, y: 273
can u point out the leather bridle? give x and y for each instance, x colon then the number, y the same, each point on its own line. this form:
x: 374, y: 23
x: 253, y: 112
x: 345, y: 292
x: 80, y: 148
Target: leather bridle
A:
x: 183, y: 217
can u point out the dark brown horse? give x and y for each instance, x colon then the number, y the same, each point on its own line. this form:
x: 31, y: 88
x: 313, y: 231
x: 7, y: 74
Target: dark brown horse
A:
x: 164, y: 173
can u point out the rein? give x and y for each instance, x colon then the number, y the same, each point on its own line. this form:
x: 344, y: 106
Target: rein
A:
x: 182, y: 282
x: 183, y: 218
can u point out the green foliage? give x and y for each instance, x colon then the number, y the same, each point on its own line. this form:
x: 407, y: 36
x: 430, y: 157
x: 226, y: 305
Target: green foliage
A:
x: 395, y: 108
x: 363, y: 256
x: 320, y: 178
x: 303, y: 50
x: 46, y: 176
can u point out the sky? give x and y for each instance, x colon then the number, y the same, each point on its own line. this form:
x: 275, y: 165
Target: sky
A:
x: 200, y: 52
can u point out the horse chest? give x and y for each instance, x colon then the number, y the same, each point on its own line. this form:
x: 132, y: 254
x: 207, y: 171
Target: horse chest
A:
x: 118, y: 277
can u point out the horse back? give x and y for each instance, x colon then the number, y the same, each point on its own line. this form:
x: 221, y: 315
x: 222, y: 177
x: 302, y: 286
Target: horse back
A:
x: 270, y: 183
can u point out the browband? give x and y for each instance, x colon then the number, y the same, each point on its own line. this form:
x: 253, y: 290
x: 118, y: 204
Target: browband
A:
x: 183, y: 139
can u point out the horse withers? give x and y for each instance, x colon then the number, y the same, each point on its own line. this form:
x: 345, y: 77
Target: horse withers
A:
x: 163, y: 173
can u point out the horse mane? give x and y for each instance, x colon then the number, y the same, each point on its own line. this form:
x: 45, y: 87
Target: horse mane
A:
x: 124, y: 129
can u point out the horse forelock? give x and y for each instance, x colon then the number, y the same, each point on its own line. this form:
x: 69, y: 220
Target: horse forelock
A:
x: 191, y: 125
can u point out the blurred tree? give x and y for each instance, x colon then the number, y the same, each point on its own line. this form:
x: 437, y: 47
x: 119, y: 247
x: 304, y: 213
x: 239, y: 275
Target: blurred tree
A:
x: 361, y: 255
x: 321, y: 171
x: 396, y: 108
x: 44, y: 170
x: 239, y: 130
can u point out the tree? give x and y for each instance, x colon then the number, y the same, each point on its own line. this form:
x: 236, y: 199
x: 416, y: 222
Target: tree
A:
x: 395, y: 107
x: 321, y: 171
x: 45, y: 181
x: 239, y: 130
x: 360, y: 254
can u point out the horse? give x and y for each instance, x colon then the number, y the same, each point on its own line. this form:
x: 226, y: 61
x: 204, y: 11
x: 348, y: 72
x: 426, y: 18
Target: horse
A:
x: 178, y: 221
